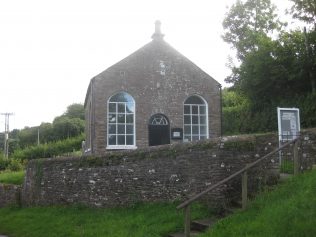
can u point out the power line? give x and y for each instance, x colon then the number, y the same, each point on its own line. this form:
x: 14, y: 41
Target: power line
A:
x: 6, y: 133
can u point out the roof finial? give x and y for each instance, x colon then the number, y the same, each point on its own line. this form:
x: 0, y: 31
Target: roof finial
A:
x: 157, y: 35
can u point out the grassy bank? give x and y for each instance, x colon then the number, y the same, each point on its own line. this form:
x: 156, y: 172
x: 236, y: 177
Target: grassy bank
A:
x: 288, y: 211
x: 10, y: 177
x: 147, y: 220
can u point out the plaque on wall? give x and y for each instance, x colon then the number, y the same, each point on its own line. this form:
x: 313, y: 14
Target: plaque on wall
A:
x: 176, y: 133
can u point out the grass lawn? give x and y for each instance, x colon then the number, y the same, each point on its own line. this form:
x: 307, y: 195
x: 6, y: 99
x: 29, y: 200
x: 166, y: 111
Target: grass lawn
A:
x: 288, y: 211
x: 10, y: 177
x: 141, y: 220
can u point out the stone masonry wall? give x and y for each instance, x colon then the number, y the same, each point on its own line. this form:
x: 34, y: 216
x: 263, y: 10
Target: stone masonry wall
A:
x: 153, y: 92
x: 9, y: 194
x: 166, y: 173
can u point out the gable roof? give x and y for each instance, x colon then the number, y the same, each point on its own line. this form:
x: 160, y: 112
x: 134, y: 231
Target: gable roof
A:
x: 154, y: 50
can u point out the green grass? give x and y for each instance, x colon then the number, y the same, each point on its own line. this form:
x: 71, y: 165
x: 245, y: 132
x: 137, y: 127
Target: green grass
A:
x: 12, y: 177
x: 141, y: 220
x: 289, y: 211
x: 287, y: 166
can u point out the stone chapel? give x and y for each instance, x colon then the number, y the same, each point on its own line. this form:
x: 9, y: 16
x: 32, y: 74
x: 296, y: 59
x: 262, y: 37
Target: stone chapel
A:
x: 154, y: 96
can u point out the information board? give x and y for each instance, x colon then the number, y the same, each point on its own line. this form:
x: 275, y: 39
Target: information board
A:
x: 288, y: 123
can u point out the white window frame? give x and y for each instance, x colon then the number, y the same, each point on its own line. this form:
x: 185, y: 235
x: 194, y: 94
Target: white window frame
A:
x: 120, y: 147
x: 199, y: 115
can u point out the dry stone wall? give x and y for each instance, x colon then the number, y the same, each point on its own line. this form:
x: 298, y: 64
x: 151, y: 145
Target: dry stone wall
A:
x: 166, y: 173
x: 9, y: 195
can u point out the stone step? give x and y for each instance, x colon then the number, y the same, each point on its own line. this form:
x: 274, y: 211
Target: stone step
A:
x: 192, y: 234
x: 284, y: 177
x: 229, y: 211
x: 202, y: 225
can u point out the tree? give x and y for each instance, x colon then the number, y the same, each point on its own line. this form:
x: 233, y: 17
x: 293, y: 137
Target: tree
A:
x: 247, y: 22
x: 274, y: 71
x: 27, y: 136
x: 65, y: 127
x: 75, y: 111
x: 305, y: 10
x: 46, y: 133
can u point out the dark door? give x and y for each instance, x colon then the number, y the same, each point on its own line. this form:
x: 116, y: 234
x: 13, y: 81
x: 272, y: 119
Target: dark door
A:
x: 158, y: 130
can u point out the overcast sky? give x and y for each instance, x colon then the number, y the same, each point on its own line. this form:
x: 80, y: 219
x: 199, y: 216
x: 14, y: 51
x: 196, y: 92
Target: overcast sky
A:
x: 49, y: 50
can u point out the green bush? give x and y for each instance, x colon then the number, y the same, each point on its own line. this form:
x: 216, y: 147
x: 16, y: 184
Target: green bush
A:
x: 241, y: 116
x: 10, y: 164
x: 4, y: 163
x: 48, y: 150
x: 15, y: 165
x: 12, y: 177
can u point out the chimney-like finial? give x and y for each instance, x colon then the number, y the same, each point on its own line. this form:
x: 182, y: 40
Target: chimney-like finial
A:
x: 157, y: 35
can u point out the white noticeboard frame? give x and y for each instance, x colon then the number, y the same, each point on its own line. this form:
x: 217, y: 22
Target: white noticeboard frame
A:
x: 288, y: 124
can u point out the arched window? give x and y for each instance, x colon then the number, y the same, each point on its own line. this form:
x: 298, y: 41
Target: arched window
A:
x: 121, y: 122
x: 195, y: 122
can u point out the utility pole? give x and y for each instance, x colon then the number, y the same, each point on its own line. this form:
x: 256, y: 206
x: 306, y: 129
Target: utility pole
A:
x: 6, y: 134
x: 38, y: 135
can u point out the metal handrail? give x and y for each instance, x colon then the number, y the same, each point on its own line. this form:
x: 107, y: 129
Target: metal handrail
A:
x: 188, y: 202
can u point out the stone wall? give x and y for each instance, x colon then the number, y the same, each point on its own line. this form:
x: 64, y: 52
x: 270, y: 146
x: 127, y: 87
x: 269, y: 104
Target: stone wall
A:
x: 9, y: 195
x: 307, y: 150
x: 166, y: 173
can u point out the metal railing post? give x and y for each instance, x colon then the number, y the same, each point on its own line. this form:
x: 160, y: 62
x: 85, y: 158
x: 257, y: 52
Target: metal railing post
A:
x: 295, y: 158
x: 244, y: 190
x: 187, y: 221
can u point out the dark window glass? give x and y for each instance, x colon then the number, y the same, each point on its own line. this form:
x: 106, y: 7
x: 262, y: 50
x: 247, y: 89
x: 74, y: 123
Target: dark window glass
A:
x: 194, y: 100
x: 112, y: 129
x: 202, y: 109
x: 112, y: 140
x: 187, y: 119
x: 121, y: 129
x: 187, y: 130
x: 195, y: 119
x: 129, y: 129
x: 121, y: 140
x: 121, y: 118
x: 112, y: 107
x: 187, y: 109
x: 129, y: 118
x: 195, y: 130
x: 129, y: 140
x: 121, y: 108
x: 112, y: 118
x: 195, y: 109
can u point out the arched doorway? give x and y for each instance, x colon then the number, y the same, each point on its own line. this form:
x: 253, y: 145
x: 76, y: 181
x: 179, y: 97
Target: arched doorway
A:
x: 158, y: 130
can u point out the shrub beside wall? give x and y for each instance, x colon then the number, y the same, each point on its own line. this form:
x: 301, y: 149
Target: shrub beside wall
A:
x: 51, y: 149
